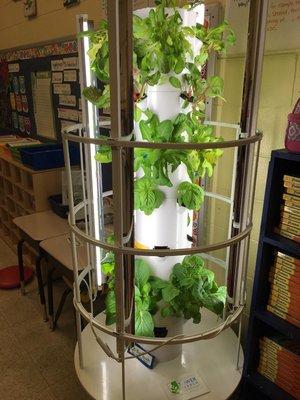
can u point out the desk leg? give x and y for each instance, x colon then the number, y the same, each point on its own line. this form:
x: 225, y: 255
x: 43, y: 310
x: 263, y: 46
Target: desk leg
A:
x: 50, y: 297
x: 21, y: 265
x: 38, y: 262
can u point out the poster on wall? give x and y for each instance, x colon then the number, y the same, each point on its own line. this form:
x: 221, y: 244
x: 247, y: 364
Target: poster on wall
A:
x: 43, y: 105
x: 283, y: 25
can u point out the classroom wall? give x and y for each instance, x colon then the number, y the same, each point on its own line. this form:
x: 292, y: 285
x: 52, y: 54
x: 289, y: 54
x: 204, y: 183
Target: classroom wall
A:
x: 53, y: 21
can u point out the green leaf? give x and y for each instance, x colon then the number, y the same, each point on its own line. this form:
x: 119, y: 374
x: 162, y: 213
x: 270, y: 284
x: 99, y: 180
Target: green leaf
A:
x: 169, y: 292
x: 104, y: 153
x: 146, y: 131
x: 110, y: 304
x: 216, y: 301
x: 137, y: 113
x: 154, y: 79
x: 167, y: 311
x: 201, y: 58
x: 180, y: 64
x: 157, y: 283
x: 175, y: 82
x: 142, y: 273
x: 108, y: 264
x: 144, y: 325
x: 215, y: 86
x: 165, y: 129
x: 146, y: 197
x: 190, y: 195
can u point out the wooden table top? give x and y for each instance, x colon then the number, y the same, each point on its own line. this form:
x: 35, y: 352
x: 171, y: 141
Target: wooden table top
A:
x: 42, y: 225
x: 59, y: 247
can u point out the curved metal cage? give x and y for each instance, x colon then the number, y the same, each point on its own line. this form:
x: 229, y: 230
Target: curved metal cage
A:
x: 84, y: 273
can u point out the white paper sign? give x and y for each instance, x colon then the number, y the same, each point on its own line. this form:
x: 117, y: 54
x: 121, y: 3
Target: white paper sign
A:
x: 67, y: 100
x: 185, y: 387
x: 61, y: 88
x: 13, y: 67
x: 43, y: 110
x: 57, y: 77
x: 71, y: 63
x: 65, y: 113
x: 57, y: 65
x: 70, y: 75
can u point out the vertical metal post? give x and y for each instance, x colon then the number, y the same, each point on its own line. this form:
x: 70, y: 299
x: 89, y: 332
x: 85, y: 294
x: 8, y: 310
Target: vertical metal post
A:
x: 74, y: 250
x: 121, y: 104
x: 126, y: 52
x: 120, y: 68
x: 249, y: 114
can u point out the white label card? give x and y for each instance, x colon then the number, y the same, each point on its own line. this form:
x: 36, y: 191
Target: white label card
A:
x: 70, y: 75
x: 65, y: 113
x: 61, y: 88
x: 71, y: 63
x: 14, y: 67
x: 57, y: 77
x: 57, y: 65
x: 185, y: 387
x: 67, y: 100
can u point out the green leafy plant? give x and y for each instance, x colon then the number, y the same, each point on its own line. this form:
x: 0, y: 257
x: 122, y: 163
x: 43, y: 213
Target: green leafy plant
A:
x: 190, y: 287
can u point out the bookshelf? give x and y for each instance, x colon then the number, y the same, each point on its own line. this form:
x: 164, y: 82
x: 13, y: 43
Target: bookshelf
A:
x: 262, y: 322
x: 23, y: 191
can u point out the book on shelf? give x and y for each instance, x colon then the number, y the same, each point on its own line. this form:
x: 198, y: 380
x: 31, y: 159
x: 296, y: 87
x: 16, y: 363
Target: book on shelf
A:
x: 280, y: 362
x: 291, y: 200
x: 284, y: 315
x: 285, y: 259
x: 284, y: 296
x: 293, y: 211
x: 291, y: 180
x: 295, y: 191
x: 288, y: 235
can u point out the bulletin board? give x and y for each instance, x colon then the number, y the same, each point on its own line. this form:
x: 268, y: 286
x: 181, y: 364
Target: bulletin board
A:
x: 44, y: 90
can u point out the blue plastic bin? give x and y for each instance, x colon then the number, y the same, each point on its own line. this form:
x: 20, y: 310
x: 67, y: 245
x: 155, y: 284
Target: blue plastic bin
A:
x: 48, y: 156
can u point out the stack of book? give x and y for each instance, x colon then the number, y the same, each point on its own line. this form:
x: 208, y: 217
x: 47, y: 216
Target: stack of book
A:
x: 284, y: 278
x: 289, y: 225
x: 280, y: 363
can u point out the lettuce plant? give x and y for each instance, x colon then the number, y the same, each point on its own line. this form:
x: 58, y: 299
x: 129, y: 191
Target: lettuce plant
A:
x: 190, y: 287
x: 162, y: 52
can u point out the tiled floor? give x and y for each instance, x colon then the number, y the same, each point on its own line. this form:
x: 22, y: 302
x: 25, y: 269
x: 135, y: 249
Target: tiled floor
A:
x: 35, y: 363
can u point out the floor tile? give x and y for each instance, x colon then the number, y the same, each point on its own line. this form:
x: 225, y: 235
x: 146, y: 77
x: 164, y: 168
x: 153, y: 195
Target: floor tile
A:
x: 69, y: 389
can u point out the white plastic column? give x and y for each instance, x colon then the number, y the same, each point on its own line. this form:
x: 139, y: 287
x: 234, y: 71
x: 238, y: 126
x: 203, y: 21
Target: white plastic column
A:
x: 167, y: 225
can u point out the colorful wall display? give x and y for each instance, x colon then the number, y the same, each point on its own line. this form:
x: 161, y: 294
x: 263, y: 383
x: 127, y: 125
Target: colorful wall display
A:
x: 60, y: 62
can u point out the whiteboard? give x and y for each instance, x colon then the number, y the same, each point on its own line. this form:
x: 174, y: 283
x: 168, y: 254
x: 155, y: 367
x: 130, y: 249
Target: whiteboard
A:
x: 283, y: 26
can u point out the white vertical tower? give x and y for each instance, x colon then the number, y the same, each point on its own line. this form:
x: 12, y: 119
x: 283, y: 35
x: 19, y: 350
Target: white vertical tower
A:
x: 167, y: 226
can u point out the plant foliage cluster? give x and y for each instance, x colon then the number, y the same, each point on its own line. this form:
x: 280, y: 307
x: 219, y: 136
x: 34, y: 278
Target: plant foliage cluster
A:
x: 190, y: 287
x: 162, y: 52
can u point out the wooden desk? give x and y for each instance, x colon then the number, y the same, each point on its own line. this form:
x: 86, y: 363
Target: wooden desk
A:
x: 58, y: 252
x: 35, y: 228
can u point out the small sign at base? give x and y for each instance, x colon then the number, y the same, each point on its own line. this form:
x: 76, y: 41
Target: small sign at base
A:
x: 146, y: 359
x: 185, y: 387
